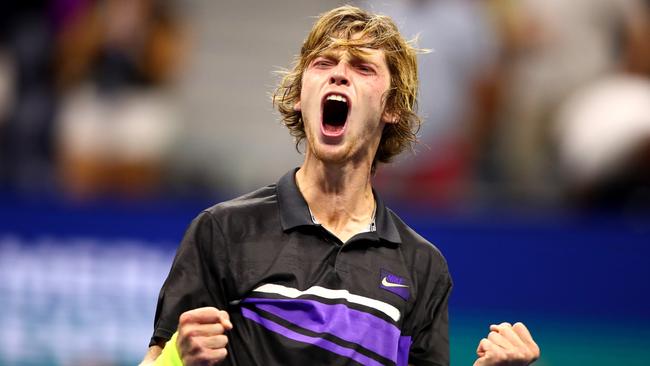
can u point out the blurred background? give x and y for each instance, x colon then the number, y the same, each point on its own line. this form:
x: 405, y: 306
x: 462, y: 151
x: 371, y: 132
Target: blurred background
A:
x: 121, y: 119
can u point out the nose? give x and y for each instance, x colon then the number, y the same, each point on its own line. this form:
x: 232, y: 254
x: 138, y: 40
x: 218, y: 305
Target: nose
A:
x: 339, y: 75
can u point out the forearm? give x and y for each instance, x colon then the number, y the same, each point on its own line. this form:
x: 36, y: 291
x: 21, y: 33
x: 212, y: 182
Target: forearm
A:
x: 151, y: 356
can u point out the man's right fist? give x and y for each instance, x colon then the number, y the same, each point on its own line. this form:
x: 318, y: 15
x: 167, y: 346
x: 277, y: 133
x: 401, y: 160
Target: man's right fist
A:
x: 201, y: 336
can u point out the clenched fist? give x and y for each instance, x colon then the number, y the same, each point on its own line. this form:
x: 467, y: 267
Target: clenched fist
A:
x: 201, y: 336
x: 507, y: 345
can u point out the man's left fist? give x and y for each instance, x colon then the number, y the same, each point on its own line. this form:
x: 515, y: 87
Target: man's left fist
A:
x: 507, y: 345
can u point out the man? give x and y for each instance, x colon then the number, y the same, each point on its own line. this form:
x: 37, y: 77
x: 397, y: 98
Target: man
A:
x: 315, y: 269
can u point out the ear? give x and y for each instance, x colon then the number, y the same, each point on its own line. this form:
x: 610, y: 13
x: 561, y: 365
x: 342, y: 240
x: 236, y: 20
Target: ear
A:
x: 296, y: 107
x: 389, y: 117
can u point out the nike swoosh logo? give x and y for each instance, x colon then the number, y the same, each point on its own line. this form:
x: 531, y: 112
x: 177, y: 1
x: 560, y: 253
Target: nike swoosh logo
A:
x: 384, y: 282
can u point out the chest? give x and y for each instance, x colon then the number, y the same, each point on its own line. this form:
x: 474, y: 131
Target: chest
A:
x: 307, y: 293
x: 313, y: 264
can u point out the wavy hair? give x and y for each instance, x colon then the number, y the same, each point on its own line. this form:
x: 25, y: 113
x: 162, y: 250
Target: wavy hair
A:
x: 353, y: 28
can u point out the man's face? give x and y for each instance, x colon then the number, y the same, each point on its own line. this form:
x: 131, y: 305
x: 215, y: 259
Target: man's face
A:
x: 342, y: 104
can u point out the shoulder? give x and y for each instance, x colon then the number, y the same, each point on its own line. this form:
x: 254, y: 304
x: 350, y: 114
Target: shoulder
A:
x: 423, y: 255
x: 253, y: 212
x: 247, y: 204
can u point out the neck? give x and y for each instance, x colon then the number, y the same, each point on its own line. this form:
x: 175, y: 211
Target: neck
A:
x: 339, y: 196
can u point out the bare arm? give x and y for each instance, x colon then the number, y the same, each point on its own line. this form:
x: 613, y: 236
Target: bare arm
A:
x: 151, y: 356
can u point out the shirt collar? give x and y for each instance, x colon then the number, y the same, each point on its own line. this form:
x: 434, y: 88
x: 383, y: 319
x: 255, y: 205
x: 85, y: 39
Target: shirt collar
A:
x: 294, y: 211
x: 371, y: 228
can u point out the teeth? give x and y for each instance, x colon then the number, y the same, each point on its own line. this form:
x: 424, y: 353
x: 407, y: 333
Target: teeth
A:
x: 338, y: 98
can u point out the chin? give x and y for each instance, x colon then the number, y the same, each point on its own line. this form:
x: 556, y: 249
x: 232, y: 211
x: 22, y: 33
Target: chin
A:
x: 332, y: 154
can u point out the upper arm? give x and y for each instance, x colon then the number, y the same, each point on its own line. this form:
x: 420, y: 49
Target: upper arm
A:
x: 195, y: 278
x: 429, y: 319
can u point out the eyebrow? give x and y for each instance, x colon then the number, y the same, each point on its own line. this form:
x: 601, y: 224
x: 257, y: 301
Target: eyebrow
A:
x: 355, y: 57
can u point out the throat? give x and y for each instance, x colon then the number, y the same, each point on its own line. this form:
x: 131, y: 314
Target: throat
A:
x: 345, y: 227
x: 343, y: 203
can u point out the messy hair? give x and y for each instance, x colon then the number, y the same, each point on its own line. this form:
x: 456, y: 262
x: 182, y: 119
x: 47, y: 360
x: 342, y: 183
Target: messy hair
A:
x: 353, y: 28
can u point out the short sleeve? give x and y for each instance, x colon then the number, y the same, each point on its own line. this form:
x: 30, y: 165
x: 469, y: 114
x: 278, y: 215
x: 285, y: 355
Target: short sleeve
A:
x: 196, y: 278
x: 430, y: 322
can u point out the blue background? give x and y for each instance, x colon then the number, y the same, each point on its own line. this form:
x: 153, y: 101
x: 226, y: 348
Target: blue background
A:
x: 580, y: 282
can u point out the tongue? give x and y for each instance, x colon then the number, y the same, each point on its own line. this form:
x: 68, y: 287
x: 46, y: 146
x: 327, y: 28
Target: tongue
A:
x: 333, y: 129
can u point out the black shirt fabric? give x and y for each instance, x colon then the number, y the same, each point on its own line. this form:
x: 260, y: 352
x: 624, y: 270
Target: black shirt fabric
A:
x: 297, y: 295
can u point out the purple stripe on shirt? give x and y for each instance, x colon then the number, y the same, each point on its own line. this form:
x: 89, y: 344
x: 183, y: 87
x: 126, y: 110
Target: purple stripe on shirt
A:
x: 364, y: 329
x: 403, y: 352
x: 318, y: 342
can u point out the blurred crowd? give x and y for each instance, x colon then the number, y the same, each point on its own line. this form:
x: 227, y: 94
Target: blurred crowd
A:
x: 526, y: 103
x: 551, y: 103
x: 84, y: 104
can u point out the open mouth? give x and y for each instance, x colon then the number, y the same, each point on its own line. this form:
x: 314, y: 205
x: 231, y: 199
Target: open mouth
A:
x: 335, y: 114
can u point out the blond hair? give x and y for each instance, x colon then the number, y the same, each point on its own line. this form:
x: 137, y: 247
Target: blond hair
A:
x: 353, y: 28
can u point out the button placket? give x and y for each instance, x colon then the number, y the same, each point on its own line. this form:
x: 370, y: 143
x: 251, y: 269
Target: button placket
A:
x: 340, y: 265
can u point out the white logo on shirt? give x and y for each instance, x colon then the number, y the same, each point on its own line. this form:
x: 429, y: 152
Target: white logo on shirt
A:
x: 384, y: 282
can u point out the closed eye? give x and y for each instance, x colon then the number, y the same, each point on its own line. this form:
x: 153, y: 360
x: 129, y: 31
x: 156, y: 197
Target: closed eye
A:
x: 366, y: 69
x: 322, y: 63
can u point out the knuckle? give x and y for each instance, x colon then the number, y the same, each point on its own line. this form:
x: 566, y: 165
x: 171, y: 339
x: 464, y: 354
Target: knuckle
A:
x: 536, y: 349
x: 187, y: 317
x: 529, y: 355
x: 223, y: 339
x: 186, y: 332
x: 534, y: 355
x: 505, y: 325
x: 511, y: 355
x: 218, y: 356
x: 499, y: 356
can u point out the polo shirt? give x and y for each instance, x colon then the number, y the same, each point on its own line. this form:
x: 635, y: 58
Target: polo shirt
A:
x: 297, y: 295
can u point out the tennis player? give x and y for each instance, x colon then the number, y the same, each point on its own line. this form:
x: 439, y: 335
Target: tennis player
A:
x: 315, y: 269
